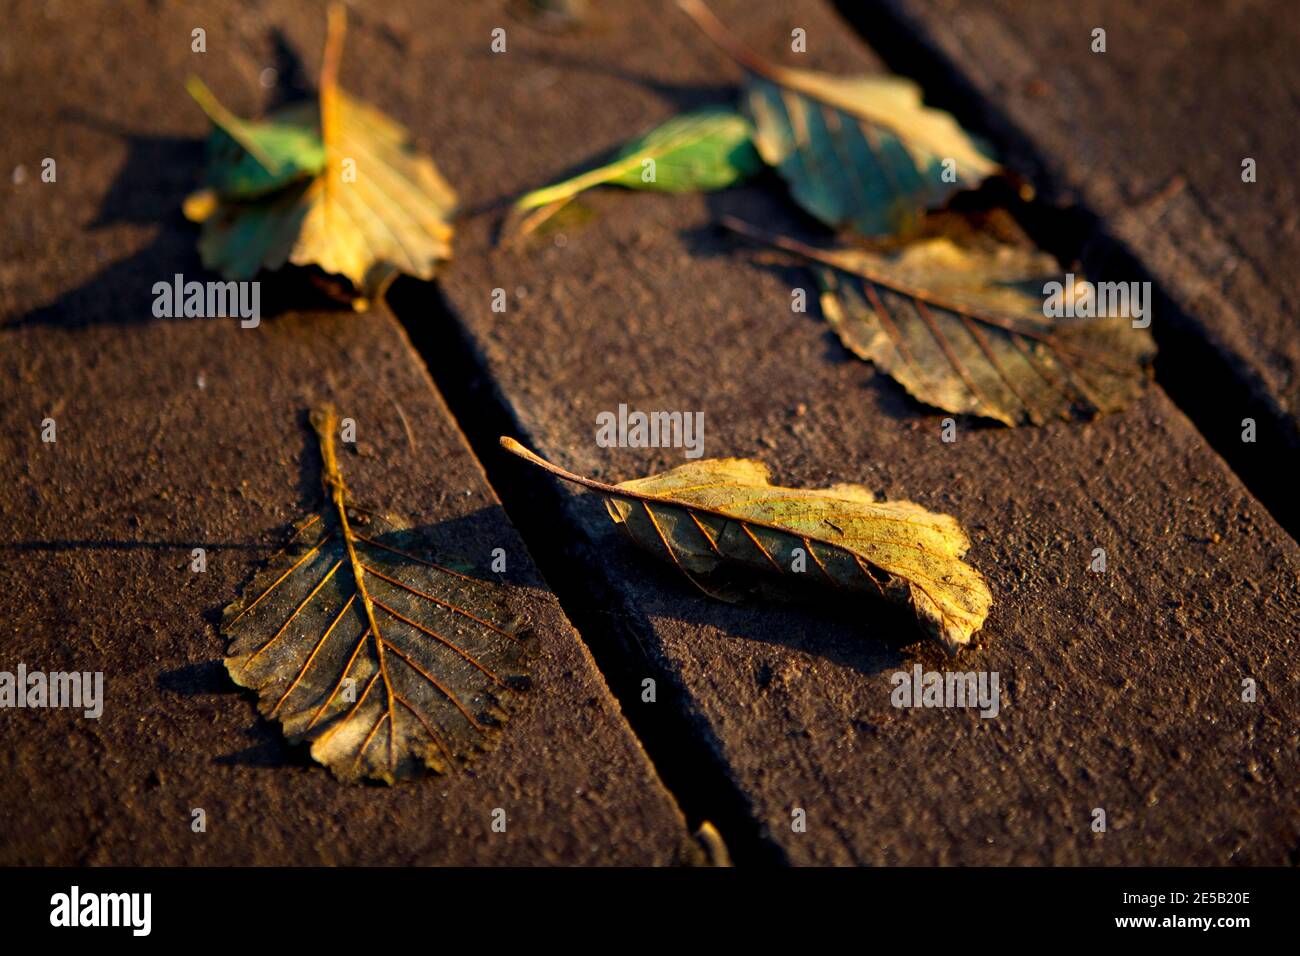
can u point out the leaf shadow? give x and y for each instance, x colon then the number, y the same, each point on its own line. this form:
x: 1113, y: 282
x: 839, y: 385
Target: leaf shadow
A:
x: 463, y: 544
x: 79, y: 544
x: 681, y: 96
x: 856, y: 632
x: 197, y: 679
x: 775, y: 213
x: 869, y: 636
x: 269, y: 749
x: 292, y: 82
x: 149, y: 188
x: 467, y: 544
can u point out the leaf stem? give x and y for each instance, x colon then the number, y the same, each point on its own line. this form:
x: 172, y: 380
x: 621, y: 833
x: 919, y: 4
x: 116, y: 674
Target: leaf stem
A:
x: 337, y: 25
x: 716, y: 31
x: 1008, y: 322
x: 763, y: 237
x: 571, y: 187
x: 228, y: 122
x: 512, y: 446
x: 325, y: 421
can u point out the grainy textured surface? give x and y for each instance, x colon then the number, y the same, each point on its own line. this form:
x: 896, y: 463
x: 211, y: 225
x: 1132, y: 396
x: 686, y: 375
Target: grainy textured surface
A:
x: 1121, y: 690
x: 175, y: 434
x: 1151, y: 135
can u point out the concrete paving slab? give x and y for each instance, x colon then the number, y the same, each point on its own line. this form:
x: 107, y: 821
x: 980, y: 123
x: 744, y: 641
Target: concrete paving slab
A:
x: 175, y: 434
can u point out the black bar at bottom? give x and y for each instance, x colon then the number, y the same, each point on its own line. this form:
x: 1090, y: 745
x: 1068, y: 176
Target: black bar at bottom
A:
x: 349, y: 907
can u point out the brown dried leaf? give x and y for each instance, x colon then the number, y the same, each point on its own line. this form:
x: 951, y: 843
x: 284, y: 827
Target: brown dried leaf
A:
x: 723, y: 514
x: 380, y: 658
x: 964, y: 329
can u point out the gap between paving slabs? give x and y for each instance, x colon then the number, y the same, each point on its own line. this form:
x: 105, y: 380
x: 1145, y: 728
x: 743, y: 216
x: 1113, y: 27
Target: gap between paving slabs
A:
x: 226, y: 464
x: 1120, y: 688
x: 1215, y: 333
x: 606, y: 620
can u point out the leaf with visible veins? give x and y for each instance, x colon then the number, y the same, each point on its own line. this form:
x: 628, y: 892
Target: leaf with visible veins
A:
x: 334, y: 184
x: 964, y: 330
x: 383, y: 660
x: 862, y: 152
x: 724, y: 514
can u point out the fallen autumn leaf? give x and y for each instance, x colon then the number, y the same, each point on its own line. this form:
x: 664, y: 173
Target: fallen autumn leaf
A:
x: 700, y: 151
x: 359, y: 644
x: 334, y: 184
x: 961, y: 330
x: 864, y: 151
x: 723, y: 513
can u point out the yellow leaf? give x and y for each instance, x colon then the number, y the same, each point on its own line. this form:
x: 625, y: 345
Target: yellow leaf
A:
x: 378, y: 208
x: 964, y: 329
x: 718, y: 514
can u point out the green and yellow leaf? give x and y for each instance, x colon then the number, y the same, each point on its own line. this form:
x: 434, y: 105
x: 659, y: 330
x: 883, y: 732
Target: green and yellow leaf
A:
x: 334, y: 184
x: 248, y: 159
x: 858, y: 152
x: 965, y: 330
x: 725, y: 514
x: 701, y: 151
x: 383, y: 660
